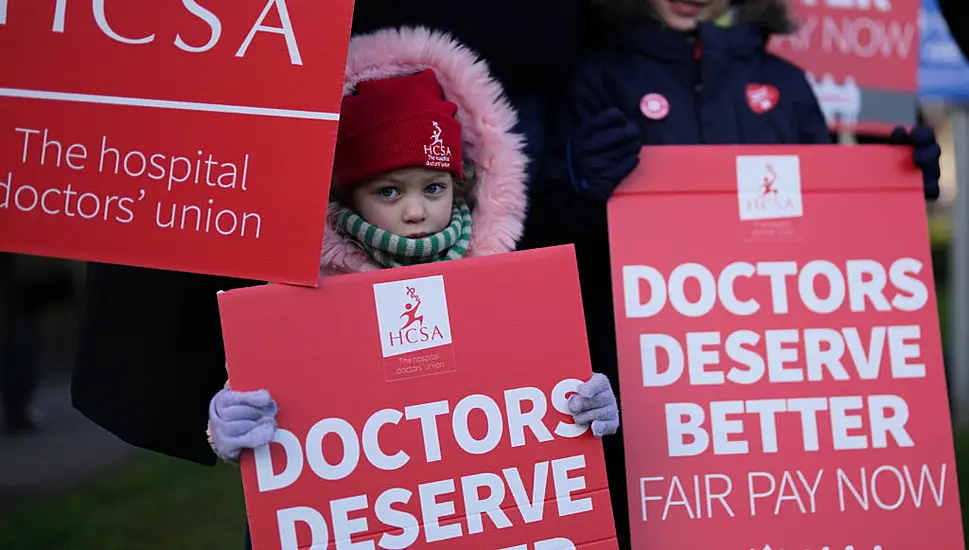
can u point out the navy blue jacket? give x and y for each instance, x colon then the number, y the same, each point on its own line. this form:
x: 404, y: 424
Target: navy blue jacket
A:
x: 708, y: 104
x: 704, y: 77
x: 707, y: 97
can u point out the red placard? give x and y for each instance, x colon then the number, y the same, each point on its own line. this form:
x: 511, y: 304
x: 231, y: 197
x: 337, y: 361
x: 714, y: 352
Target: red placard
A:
x: 862, y: 56
x: 435, y: 393
x: 780, y: 359
x: 173, y: 135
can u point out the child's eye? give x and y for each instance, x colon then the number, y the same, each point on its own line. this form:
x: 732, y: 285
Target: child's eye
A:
x: 435, y: 188
x: 388, y: 192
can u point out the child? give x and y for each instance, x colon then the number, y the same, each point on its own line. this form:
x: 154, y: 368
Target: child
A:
x: 426, y: 169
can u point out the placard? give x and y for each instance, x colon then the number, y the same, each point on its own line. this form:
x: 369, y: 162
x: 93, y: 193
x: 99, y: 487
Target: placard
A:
x: 171, y: 135
x: 780, y: 360
x: 422, y: 407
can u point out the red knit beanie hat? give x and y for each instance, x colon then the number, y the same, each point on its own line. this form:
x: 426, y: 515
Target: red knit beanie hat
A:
x: 395, y: 123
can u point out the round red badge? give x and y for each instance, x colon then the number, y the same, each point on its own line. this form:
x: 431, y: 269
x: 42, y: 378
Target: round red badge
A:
x: 654, y: 106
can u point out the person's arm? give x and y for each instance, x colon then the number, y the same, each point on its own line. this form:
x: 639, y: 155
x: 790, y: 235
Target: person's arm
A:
x: 592, y: 148
x: 150, y: 356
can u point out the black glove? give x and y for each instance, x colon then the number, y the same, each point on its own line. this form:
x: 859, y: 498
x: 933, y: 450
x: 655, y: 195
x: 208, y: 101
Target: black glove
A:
x: 926, y: 153
x: 603, y: 151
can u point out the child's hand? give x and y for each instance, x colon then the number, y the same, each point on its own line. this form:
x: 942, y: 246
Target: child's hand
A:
x: 604, y: 150
x: 925, y: 153
x: 595, y: 402
x: 241, y: 420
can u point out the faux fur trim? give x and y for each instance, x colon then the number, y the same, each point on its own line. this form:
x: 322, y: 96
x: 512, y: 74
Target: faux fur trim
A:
x: 774, y: 16
x: 487, y: 120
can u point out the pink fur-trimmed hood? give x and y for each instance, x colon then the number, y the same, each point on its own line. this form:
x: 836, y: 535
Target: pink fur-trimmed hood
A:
x: 498, y: 198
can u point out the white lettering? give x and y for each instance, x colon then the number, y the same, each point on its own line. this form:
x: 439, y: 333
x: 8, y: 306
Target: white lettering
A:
x: 102, y: 21
x: 210, y: 19
x: 286, y: 29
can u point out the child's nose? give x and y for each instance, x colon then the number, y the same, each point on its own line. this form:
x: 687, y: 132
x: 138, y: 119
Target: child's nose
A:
x: 414, y: 211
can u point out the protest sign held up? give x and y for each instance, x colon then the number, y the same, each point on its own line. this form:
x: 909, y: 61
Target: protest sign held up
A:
x: 171, y: 135
x: 780, y: 360
x: 422, y: 407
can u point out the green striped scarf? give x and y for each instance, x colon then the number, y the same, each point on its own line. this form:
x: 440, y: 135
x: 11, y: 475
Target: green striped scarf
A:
x: 390, y: 250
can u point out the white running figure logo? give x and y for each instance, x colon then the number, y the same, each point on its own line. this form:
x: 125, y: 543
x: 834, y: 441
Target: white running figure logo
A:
x: 436, y: 136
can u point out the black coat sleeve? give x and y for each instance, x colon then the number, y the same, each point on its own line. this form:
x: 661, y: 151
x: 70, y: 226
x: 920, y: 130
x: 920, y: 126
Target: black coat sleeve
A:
x: 558, y: 214
x: 150, y: 356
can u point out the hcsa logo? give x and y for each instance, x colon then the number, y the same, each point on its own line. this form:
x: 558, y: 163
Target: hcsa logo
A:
x: 438, y: 153
x: 412, y: 315
x: 769, y: 187
x: 414, y: 330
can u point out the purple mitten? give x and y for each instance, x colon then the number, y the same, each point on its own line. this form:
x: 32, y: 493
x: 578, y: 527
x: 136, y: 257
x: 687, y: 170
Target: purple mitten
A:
x: 241, y: 420
x: 595, y: 402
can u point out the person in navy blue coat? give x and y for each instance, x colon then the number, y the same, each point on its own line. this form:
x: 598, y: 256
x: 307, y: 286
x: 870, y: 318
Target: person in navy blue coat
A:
x: 669, y: 72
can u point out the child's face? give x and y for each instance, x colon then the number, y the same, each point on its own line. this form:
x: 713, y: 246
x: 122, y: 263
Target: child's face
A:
x: 410, y: 202
x: 683, y: 15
